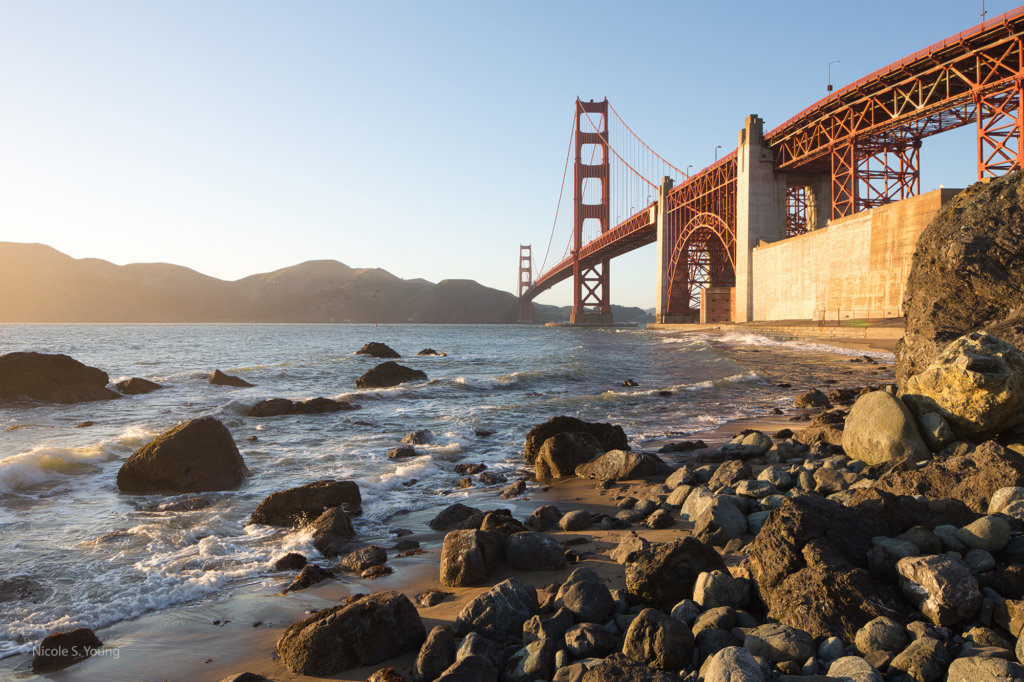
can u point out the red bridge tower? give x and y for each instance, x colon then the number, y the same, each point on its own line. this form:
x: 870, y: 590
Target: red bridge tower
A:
x: 591, y: 203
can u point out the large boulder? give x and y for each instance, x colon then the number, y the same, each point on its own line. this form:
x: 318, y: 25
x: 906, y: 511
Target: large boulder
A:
x: 453, y: 515
x: 881, y: 430
x: 966, y: 274
x: 976, y: 384
x: 585, y: 597
x: 562, y: 453
x: 300, y: 505
x: 941, y: 586
x: 469, y: 556
x: 529, y: 551
x: 621, y: 465
x: 621, y: 668
x: 332, y: 531
x: 499, y: 613
x: 61, y: 649
x: 196, y: 456
x: 658, y: 640
x: 52, y: 378
x: 810, y: 564
x: 368, y: 630
x: 664, y: 574
x: 972, y: 478
x: 389, y: 374
x: 377, y: 349
x: 608, y: 436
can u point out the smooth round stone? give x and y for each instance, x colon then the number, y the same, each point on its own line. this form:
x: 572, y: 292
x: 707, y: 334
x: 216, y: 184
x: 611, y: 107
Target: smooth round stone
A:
x: 756, y: 489
x: 979, y: 560
x: 896, y: 547
x: 990, y: 533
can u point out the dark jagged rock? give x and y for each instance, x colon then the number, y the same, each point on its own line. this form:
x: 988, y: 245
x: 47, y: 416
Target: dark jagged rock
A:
x: 436, y: 654
x: 197, y: 456
x: 292, y: 561
x: 622, y: 668
x: 970, y: 478
x: 311, y: 574
x: 302, y: 504
x: 219, y: 378
x: 469, y: 556
x: 966, y: 274
x: 665, y: 574
x: 402, y: 452
x: 560, y: 454
x: 275, y: 407
x: 659, y: 641
x: 51, y: 378
x: 499, y: 613
x: 61, y: 649
x: 809, y: 562
x: 420, y: 437
x: 389, y: 374
x: 622, y: 465
x: 137, y: 386
x: 534, y: 552
x: 684, y: 446
x: 378, y: 350
x: 331, y: 532
x: 451, y: 516
x: 368, y: 630
x: 431, y: 351
x: 812, y: 398
x: 608, y: 437
x: 544, y: 518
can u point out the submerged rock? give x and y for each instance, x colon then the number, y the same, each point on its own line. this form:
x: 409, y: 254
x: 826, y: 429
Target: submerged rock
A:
x: 136, y: 386
x: 275, y: 407
x: 51, y: 378
x: 300, y: 505
x: 389, y: 374
x: 369, y: 630
x: 197, y: 456
x: 219, y: 378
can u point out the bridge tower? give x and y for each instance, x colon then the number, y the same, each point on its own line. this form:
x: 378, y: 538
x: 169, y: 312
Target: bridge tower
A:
x: 591, y: 203
x: 525, y: 282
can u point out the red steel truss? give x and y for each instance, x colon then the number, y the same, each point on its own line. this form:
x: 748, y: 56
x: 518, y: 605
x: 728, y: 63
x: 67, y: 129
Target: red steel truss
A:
x: 525, y: 282
x: 888, y: 169
x: 591, y: 302
x: 796, y: 210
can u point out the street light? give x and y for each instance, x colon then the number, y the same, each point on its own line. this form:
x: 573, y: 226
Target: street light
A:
x: 717, y: 147
x: 688, y: 167
x: 834, y: 61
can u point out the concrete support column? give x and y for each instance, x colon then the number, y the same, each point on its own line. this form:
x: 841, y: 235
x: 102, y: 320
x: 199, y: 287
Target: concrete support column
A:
x: 758, y: 213
x: 664, y: 251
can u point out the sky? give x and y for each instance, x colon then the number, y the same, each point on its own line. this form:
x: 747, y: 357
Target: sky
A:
x: 426, y: 138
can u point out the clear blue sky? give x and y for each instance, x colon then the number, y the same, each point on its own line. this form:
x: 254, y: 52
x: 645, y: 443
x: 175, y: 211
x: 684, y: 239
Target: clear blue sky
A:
x: 426, y: 138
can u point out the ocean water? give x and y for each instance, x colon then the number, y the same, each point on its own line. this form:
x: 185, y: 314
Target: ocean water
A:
x: 104, y: 557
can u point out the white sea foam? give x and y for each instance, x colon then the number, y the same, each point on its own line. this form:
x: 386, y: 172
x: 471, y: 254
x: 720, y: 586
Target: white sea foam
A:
x: 799, y: 344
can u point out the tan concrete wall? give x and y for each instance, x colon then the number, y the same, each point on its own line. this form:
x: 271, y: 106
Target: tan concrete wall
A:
x: 855, y: 268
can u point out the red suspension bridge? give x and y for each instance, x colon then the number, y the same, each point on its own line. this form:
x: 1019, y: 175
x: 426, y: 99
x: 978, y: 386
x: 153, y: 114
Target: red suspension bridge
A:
x: 856, y: 149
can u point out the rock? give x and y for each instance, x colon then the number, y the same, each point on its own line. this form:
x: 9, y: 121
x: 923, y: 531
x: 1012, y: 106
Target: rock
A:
x: 812, y: 398
x: 469, y: 556
x: 426, y: 437
x: 809, y: 561
x: 470, y: 669
x: 560, y: 454
x: 733, y: 664
x: 976, y: 384
x: 658, y: 640
x: 387, y: 674
x: 471, y: 469
x: 534, y: 661
x: 575, y: 520
x: 683, y: 446
x: 253, y: 677
x: 436, y: 654
x: 197, y: 456
x: 136, y: 386
x: 452, y: 516
x: 311, y: 574
x: 514, y: 490
x: 588, y: 640
x: 749, y: 443
x: 966, y: 274
x: 364, y: 558
x: 544, y: 518
x: 630, y: 542
x: 292, y: 561
x: 531, y: 551
x: 431, y: 351
x: 729, y: 474
x: 608, y: 437
x: 22, y: 588
x: 402, y: 452
x: 935, y: 431
x: 971, y: 478
x: 881, y: 636
x: 378, y: 350
x: 941, y: 586
x: 389, y: 374
x: 665, y: 574
x: 429, y: 598
x: 976, y: 668
x: 332, y: 531
x: 499, y: 613
x: 718, y: 588
x: 777, y: 642
x: 61, y: 649
x: 586, y: 597
x: 304, y: 503
x: 881, y: 430
x: 853, y: 668
x: 820, y: 435
x: 720, y: 523
x: 622, y: 668
x: 1004, y: 497
x: 620, y: 465
x: 51, y: 378
x: 276, y: 407
x: 990, y: 533
x: 551, y: 627
x: 366, y: 631
x: 499, y: 520
x: 219, y: 378
x: 660, y: 519
x: 492, y: 478
x: 925, y: 660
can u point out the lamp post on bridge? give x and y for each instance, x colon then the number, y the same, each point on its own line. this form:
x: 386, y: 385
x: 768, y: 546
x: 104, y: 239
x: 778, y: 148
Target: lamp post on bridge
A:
x: 834, y: 61
x: 717, y: 147
x: 688, y: 167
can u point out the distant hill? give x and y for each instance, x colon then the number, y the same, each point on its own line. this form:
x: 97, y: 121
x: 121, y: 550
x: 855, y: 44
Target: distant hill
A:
x: 41, y: 284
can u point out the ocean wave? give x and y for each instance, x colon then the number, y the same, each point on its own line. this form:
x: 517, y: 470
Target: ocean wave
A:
x: 749, y: 339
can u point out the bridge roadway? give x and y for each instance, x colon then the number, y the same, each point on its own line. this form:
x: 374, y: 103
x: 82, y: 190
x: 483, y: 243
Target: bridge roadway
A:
x: 855, y: 149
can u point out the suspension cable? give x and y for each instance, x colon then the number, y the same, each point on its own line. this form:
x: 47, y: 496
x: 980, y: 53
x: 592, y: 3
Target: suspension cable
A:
x: 644, y: 143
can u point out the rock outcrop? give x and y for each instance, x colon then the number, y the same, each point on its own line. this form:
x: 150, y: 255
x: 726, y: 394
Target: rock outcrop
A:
x: 622, y: 465
x: 219, y: 378
x: 136, y: 386
x: 560, y: 454
x: 275, y: 407
x: 51, y: 378
x: 966, y: 274
x: 369, y: 630
x: 378, y: 350
x: 304, y: 503
x: 608, y: 436
x: 197, y: 456
x: 389, y: 374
